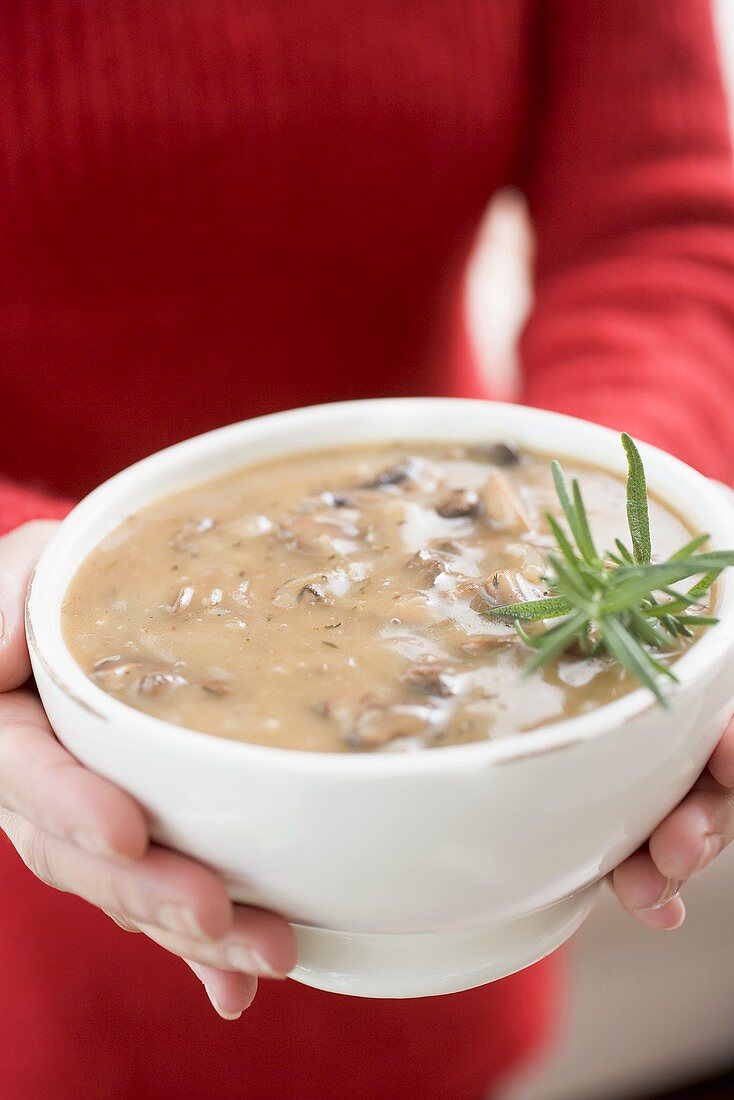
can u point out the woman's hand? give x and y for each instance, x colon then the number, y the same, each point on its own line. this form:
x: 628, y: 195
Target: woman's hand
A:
x: 685, y: 843
x: 81, y: 834
x: 691, y: 836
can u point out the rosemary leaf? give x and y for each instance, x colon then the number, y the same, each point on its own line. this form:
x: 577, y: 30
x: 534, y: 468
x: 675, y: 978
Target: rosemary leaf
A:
x: 624, y: 552
x: 689, y: 548
x: 555, y: 641
x: 631, y: 655
x: 586, y: 541
x: 638, y: 516
x: 565, y: 501
x: 532, y: 611
x: 562, y: 539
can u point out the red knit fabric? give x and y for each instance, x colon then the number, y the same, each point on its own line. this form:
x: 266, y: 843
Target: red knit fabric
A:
x: 210, y: 210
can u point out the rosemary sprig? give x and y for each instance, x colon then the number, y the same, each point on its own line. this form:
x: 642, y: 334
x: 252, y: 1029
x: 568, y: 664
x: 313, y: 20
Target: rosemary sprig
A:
x: 620, y: 604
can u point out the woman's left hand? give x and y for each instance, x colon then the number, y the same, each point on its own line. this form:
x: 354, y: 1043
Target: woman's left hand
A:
x: 648, y: 883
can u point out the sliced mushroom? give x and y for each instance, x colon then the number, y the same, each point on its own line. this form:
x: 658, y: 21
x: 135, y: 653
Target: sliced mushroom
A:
x: 332, y: 531
x: 393, y: 475
x: 374, y: 720
x: 217, y: 688
x: 532, y: 563
x: 503, y: 506
x: 241, y: 594
x: 431, y: 678
x: 183, y: 599
x: 458, y: 503
x: 502, y: 587
x: 496, y: 454
x: 141, y: 677
x: 336, y: 500
x: 311, y: 589
x: 465, y: 589
x: 379, y: 722
x: 106, y: 662
x: 159, y: 682
x: 477, y: 645
x: 186, y: 537
x: 413, y: 471
x: 428, y: 563
x: 328, y: 499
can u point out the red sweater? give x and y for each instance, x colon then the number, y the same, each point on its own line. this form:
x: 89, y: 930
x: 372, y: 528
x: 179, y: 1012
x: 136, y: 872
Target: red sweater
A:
x: 210, y: 210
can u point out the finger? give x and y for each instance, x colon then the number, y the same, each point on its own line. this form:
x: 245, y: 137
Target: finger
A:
x: 42, y: 782
x: 721, y: 764
x: 647, y: 895
x: 122, y: 922
x: 229, y: 992
x: 19, y: 552
x: 695, y: 832
x: 163, y: 888
x: 257, y: 943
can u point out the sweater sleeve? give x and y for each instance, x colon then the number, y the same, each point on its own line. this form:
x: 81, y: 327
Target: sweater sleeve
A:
x: 631, y: 194
x: 19, y: 505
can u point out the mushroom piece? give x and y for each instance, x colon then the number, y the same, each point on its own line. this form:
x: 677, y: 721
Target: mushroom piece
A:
x: 375, y: 720
x: 332, y: 531
x: 465, y: 589
x: 183, y: 599
x: 532, y: 563
x: 428, y: 563
x: 328, y: 499
x: 411, y: 472
x: 335, y: 500
x: 458, y: 503
x: 503, y: 506
x: 216, y: 687
x: 378, y: 722
x: 393, y: 475
x: 502, y: 587
x: 115, y: 674
x: 431, y: 678
x: 186, y: 537
x: 311, y: 589
x: 477, y: 645
x: 496, y: 454
x: 159, y: 682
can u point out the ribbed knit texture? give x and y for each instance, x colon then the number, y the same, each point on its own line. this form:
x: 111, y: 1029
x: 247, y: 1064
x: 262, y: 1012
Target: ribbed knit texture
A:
x: 212, y: 209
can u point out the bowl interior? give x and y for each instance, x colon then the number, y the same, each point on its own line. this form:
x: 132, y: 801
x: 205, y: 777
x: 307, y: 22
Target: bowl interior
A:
x: 700, y: 502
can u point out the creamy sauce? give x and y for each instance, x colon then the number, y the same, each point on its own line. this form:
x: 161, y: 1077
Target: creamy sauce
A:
x: 333, y: 601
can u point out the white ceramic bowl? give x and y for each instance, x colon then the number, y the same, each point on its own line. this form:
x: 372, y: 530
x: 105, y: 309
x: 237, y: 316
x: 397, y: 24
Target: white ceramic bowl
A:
x: 405, y: 874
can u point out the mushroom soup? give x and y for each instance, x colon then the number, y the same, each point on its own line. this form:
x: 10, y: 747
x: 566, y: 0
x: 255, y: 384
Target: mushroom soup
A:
x: 334, y: 601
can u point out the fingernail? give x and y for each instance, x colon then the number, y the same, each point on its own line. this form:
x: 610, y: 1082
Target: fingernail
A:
x: 672, y: 886
x: 250, y: 961
x: 712, y: 845
x: 94, y: 845
x: 680, y: 918
x: 218, y: 1008
x: 179, y: 919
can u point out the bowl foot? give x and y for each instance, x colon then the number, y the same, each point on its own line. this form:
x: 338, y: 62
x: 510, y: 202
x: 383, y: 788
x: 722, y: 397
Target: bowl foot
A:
x: 427, y: 964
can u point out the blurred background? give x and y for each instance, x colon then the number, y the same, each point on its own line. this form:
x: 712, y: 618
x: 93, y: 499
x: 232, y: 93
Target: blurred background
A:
x: 646, y: 1014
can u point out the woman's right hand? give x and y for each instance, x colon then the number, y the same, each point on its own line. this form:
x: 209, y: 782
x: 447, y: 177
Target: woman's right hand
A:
x: 79, y: 833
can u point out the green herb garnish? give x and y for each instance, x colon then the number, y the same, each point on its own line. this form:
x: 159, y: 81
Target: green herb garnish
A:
x: 621, y: 603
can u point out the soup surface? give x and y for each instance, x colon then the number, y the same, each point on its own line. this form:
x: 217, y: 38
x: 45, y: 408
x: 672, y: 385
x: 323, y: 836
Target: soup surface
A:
x: 334, y: 601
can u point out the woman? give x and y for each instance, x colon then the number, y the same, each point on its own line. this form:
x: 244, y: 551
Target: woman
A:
x: 213, y: 210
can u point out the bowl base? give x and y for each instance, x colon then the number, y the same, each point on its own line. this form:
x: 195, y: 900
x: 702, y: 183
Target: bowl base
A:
x: 427, y: 964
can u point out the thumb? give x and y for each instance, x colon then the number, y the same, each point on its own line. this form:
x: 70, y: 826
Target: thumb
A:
x: 19, y: 552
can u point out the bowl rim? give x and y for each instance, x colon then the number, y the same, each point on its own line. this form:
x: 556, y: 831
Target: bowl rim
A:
x: 48, y: 649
